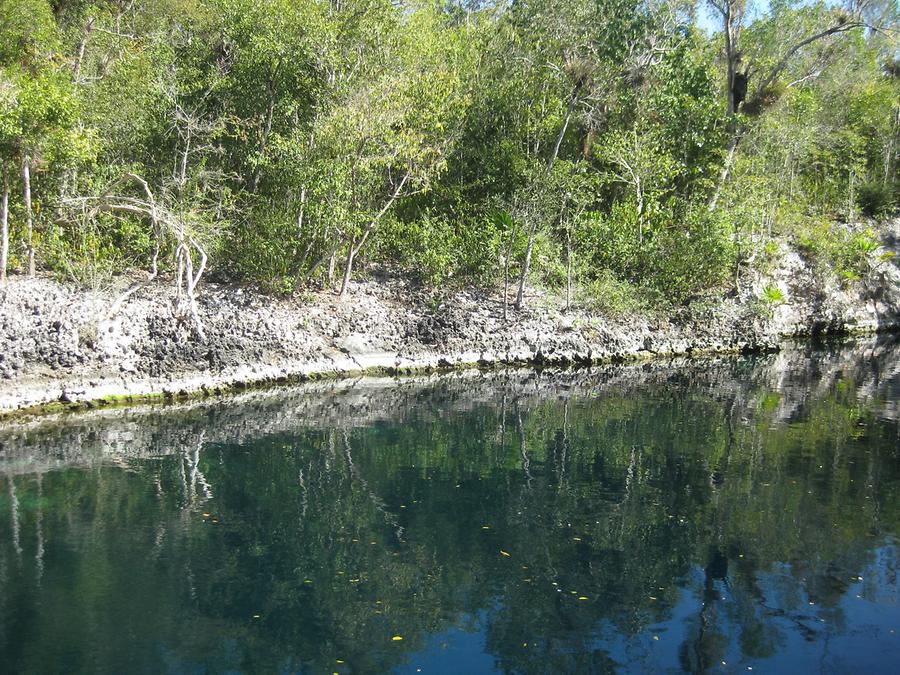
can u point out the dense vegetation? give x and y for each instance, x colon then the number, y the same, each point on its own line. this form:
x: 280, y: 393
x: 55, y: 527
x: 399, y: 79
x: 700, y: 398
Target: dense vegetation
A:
x: 634, y: 149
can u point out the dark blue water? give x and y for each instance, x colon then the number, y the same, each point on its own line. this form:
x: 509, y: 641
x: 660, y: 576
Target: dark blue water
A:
x: 736, y: 515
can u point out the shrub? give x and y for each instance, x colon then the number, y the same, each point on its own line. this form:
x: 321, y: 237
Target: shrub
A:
x: 695, y: 257
x: 263, y: 248
x: 832, y: 249
x: 876, y: 199
x: 436, y: 249
x: 612, y: 297
x: 676, y: 260
x: 773, y: 295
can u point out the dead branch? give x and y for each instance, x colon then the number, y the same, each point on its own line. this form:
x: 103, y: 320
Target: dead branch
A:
x: 161, y: 220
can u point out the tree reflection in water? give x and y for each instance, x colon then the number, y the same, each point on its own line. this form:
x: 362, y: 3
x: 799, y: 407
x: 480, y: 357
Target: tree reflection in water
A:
x: 736, y: 514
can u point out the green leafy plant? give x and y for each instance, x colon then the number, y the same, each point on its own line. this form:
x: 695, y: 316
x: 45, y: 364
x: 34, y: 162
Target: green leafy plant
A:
x: 773, y: 295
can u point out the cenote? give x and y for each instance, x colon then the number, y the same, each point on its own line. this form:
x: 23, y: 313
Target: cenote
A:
x: 719, y: 515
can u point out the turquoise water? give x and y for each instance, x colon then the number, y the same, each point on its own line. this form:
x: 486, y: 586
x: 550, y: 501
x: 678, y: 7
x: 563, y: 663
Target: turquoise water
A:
x: 733, y: 515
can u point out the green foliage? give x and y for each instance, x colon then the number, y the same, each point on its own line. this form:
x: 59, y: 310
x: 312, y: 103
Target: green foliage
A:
x: 291, y: 132
x: 28, y: 31
x: 877, y: 199
x: 772, y: 295
x: 676, y: 261
x: 836, y: 250
x: 613, y: 297
x: 436, y: 249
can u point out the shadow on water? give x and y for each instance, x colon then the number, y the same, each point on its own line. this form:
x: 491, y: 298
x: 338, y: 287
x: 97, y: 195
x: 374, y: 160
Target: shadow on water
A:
x: 723, y: 515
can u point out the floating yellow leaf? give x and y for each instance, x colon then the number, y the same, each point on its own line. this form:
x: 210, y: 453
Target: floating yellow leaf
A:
x: 504, y: 553
x: 397, y: 638
x: 582, y: 597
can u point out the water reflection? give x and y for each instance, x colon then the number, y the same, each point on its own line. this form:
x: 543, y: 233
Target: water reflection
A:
x: 736, y: 514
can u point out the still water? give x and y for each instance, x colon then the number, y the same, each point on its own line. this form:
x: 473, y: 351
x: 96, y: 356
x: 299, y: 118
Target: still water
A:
x: 729, y: 515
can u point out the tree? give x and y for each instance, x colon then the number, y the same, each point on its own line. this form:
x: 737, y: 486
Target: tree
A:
x: 778, y: 39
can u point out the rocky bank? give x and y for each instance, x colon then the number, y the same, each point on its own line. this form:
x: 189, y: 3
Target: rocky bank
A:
x: 801, y: 376
x: 61, y: 344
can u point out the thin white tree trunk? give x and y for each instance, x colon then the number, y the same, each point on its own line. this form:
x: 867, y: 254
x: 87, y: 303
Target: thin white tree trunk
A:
x: 356, y: 246
x: 29, y: 222
x: 523, y: 276
x: 4, y: 223
x: 568, y: 268
x: 726, y: 169
x: 267, y: 128
x: 512, y: 237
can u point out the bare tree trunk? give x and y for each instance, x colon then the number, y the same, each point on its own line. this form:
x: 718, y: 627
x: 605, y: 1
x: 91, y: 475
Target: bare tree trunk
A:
x: 512, y: 238
x: 526, y: 264
x: 731, y: 25
x: 355, y: 246
x: 29, y: 222
x: 154, y: 262
x: 726, y: 169
x: 532, y: 230
x: 79, y: 59
x: 332, y: 261
x: 4, y: 222
x: 730, y: 54
x: 348, y: 265
x: 890, y: 152
x: 639, y: 193
x: 182, y: 171
x: 568, y: 268
x: 267, y: 129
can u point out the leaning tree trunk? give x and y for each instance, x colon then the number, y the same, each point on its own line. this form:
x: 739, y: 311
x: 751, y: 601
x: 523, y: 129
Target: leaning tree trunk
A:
x: 348, y: 265
x: 736, y: 134
x: 356, y: 245
x: 4, y: 223
x: 29, y: 222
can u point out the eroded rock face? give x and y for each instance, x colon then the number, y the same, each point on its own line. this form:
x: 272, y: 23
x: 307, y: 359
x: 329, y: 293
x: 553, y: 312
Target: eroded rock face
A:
x: 800, y: 376
x: 60, y: 343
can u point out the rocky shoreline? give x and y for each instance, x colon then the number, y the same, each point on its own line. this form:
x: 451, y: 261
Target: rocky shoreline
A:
x: 60, y: 345
x: 153, y: 429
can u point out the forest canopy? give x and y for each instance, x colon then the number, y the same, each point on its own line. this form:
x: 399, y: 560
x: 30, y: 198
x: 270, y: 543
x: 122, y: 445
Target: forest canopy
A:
x: 639, y: 149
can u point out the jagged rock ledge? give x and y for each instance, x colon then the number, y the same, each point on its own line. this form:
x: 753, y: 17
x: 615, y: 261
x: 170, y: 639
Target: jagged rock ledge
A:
x: 60, y: 347
x: 799, y: 375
